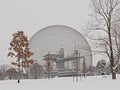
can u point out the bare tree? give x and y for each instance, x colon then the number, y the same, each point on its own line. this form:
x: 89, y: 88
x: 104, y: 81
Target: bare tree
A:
x: 12, y: 73
x: 105, y: 17
x: 19, y: 49
x: 3, y: 69
x: 36, y: 70
x: 1, y: 76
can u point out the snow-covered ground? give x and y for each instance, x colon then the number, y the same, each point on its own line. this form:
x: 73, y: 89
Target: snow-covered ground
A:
x: 89, y: 83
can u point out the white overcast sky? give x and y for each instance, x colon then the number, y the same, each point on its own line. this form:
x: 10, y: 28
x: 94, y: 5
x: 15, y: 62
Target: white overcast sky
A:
x: 33, y: 15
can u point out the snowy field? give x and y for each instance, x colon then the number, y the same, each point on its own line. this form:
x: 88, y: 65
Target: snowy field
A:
x: 89, y: 83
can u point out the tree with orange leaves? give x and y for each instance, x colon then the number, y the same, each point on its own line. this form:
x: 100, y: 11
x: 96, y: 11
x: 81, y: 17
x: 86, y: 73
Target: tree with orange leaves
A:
x: 19, y: 49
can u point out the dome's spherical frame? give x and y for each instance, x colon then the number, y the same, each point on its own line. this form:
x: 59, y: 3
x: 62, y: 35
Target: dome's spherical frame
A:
x: 52, y: 38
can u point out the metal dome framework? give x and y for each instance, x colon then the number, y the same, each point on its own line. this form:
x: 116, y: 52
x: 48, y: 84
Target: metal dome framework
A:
x: 56, y: 37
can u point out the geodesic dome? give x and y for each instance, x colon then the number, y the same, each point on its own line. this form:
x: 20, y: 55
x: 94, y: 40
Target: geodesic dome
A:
x: 52, y: 38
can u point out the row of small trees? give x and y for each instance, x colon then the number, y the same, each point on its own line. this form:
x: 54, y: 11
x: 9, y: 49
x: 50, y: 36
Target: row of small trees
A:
x: 7, y: 72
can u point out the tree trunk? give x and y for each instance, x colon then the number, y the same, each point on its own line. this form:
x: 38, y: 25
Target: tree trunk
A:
x: 111, y: 52
x: 19, y: 71
x: 27, y: 72
x: 113, y: 73
x: 35, y: 77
